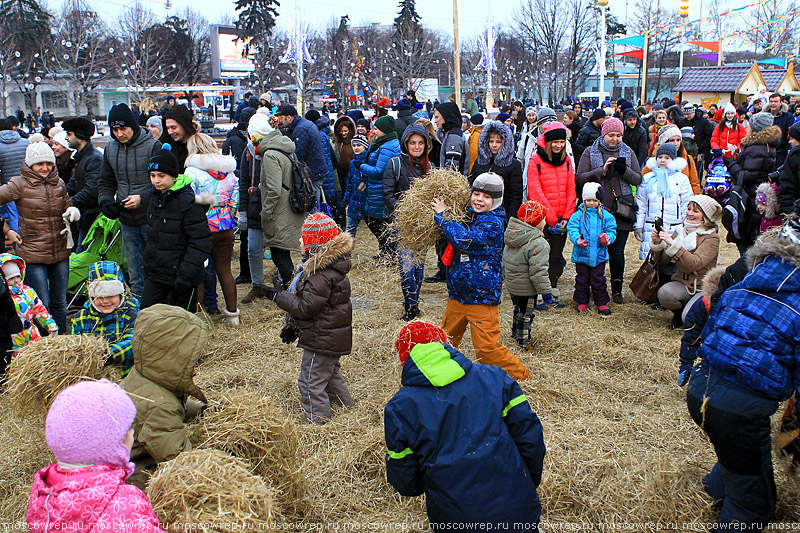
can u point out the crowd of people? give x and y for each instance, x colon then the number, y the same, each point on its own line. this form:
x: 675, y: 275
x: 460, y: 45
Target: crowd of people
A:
x: 290, y: 183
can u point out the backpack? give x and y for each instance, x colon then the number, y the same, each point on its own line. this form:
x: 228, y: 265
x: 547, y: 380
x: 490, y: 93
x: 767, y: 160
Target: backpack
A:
x: 302, y: 195
x: 734, y: 215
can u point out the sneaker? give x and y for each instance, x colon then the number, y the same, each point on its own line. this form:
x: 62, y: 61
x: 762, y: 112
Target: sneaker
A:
x: 439, y: 277
x: 583, y: 308
x: 604, y: 310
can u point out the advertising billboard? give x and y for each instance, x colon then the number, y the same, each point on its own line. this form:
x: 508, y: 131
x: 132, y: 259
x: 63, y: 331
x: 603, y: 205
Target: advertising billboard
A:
x: 226, y: 54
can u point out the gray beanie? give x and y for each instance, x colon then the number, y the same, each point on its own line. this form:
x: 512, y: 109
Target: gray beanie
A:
x: 760, y: 121
x: 545, y: 115
x: 156, y: 121
x: 491, y: 184
x: 668, y: 149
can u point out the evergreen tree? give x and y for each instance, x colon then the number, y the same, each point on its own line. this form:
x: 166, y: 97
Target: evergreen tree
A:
x: 255, y: 22
x: 413, y: 47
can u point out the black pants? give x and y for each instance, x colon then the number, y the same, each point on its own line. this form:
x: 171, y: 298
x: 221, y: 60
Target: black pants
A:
x: 283, y: 261
x: 244, y: 262
x: 5, y: 354
x: 556, y: 263
x: 520, y: 304
x: 163, y: 293
x: 385, y: 242
x: 616, y: 254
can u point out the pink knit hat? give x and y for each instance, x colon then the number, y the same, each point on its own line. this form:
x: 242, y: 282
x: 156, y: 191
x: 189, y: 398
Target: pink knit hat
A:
x: 88, y: 422
x: 612, y: 124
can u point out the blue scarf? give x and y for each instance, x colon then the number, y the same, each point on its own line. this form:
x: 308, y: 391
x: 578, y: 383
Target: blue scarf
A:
x: 659, y: 183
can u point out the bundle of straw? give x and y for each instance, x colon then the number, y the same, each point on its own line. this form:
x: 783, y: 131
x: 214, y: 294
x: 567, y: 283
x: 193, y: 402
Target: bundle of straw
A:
x: 208, y: 490
x: 46, y: 367
x: 413, y: 217
x: 249, y: 427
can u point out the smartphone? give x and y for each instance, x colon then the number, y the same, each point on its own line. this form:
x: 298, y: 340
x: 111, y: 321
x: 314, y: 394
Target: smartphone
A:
x: 658, y: 224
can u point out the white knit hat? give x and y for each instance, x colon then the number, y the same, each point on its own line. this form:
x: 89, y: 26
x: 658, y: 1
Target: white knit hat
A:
x: 39, y: 153
x: 258, y: 127
x: 668, y: 132
x: 729, y: 108
x: 61, y: 138
x: 590, y: 191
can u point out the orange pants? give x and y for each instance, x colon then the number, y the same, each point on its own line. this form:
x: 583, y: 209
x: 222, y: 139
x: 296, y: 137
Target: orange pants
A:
x: 484, y: 327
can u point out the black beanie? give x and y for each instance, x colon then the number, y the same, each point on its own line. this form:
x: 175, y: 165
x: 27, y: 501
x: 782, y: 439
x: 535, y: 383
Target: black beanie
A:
x: 476, y: 119
x: 794, y: 131
x: 312, y: 115
x: 598, y: 114
x: 555, y: 134
x: 83, y: 128
x: 181, y: 115
x: 120, y: 116
x: 164, y: 161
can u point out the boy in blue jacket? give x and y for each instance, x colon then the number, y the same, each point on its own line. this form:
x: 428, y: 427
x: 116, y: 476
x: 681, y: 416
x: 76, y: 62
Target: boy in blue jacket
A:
x: 464, y: 435
x: 475, y: 274
x: 354, y: 196
x: 591, y: 229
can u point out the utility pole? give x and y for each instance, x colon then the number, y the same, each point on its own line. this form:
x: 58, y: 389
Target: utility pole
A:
x: 456, y: 55
x: 644, y: 66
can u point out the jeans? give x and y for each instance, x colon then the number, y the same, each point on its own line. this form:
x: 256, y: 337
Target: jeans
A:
x: 50, y: 283
x: 352, y: 225
x: 255, y: 255
x: 616, y: 254
x: 283, y: 261
x: 134, y: 241
x: 210, y: 287
x: 410, y: 276
x: 244, y: 254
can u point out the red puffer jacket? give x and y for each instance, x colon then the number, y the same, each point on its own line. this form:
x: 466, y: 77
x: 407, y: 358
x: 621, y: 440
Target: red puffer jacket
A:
x: 551, y: 185
x: 724, y: 136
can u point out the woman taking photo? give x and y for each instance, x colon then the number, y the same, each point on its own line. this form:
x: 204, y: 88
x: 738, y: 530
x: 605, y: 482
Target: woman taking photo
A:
x: 551, y: 182
x: 400, y: 173
x: 615, y: 164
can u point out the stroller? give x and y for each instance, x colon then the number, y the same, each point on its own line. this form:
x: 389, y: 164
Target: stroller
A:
x: 103, y: 242
x: 718, y: 181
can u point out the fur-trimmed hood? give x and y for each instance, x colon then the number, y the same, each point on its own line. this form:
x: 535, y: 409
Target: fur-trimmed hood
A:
x: 676, y: 165
x: 217, y: 162
x: 711, y: 281
x: 506, y: 154
x: 335, y: 253
x: 770, y: 136
x: 770, y: 191
x: 344, y: 119
x: 774, y: 246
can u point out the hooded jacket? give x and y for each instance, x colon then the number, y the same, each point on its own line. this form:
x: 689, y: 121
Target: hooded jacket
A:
x: 722, y: 136
x: 490, y: 472
x: 404, y: 118
x: 668, y: 205
x: 41, y: 202
x: 476, y: 274
x: 29, y: 307
x: 250, y: 177
x: 689, y: 170
x: 636, y: 138
x: 552, y: 185
x: 784, y: 120
x: 330, y: 183
x: 753, y: 336
x: 82, y: 187
x: 504, y: 164
x: 216, y: 186
x: 308, y: 148
x: 12, y: 154
x: 525, y: 260
x: 91, y: 498
x: 167, y: 344
x: 772, y: 213
x: 694, y: 255
x: 400, y: 174
x: 179, y: 239
x: 589, y: 223
x: 586, y: 137
x: 280, y: 224
x: 354, y: 199
x: 342, y: 144
x: 376, y: 159
x: 472, y: 143
x: 125, y: 173
x: 235, y: 143
x: 321, y: 306
x: 789, y: 181
x: 115, y: 327
x: 455, y: 152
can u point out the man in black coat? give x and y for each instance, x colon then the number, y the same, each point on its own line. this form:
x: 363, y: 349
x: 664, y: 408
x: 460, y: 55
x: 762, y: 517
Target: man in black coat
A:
x: 179, y: 125
x: 308, y: 146
x: 784, y: 120
x: 589, y: 133
x: 82, y: 187
x: 235, y: 142
x: 789, y: 181
x: 635, y: 135
x: 703, y: 129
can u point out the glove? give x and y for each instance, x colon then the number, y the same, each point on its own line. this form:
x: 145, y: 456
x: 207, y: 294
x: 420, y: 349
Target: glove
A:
x: 358, y: 164
x: 620, y: 166
x: 272, y: 292
x: 288, y: 334
x: 547, y: 298
x: 639, y: 234
x: 72, y: 214
x: 716, y: 152
x: 604, y: 240
x: 241, y: 221
x: 362, y: 186
x: 582, y: 242
x: 112, y: 210
x: 684, y: 371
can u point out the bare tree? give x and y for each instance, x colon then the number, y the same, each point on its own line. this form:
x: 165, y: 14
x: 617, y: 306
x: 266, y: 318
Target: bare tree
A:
x: 766, y: 30
x: 196, y: 63
x: 341, y: 45
x: 139, y: 50
x: 24, y: 25
x: 266, y: 59
x: 373, y: 45
x: 413, y: 47
x: 660, y: 55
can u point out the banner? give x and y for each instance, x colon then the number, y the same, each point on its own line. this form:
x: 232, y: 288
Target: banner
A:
x: 707, y: 57
x: 636, y: 40
x: 780, y: 61
x: 708, y: 45
x: 638, y: 54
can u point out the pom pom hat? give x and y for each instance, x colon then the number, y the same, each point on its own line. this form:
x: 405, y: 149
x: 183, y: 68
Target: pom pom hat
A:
x: 39, y: 153
x: 417, y: 332
x: 318, y: 229
x: 532, y: 212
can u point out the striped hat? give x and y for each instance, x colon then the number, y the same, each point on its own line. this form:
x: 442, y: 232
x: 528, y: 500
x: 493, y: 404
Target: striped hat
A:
x: 318, y: 228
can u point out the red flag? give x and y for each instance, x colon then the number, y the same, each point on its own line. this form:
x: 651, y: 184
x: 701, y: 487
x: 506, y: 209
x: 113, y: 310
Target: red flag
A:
x: 638, y: 54
x: 708, y: 45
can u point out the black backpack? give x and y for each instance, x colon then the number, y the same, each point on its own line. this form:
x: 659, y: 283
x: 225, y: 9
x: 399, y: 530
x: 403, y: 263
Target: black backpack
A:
x: 302, y: 195
x: 735, y: 217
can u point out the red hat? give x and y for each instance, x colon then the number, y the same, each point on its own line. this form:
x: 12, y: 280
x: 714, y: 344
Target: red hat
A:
x: 318, y: 229
x: 532, y: 212
x: 417, y: 332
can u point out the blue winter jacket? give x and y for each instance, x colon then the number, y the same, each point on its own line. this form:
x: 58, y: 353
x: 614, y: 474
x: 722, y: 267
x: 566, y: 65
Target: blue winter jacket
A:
x: 308, y: 148
x: 465, y: 435
x: 354, y: 199
x: 752, y: 337
x: 372, y: 171
x: 476, y: 274
x: 589, y: 225
x: 329, y: 184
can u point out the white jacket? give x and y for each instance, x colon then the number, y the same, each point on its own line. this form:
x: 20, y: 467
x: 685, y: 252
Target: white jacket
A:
x: 651, y: 204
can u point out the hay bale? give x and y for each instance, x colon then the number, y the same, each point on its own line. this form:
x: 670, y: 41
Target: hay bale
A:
x: 248, y: 426
x: 413, y: 217
x: 46, y: 367
x: 208, y: 490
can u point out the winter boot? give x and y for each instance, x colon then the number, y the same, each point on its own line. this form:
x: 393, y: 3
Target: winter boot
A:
x: 517, y: 328
x: 603, y: 310
x: 231, y: 318
x: 527, y: 324
x: 616, y: 291
x: 677, y: 320
x: 254, y: 293
x: 412, y: 312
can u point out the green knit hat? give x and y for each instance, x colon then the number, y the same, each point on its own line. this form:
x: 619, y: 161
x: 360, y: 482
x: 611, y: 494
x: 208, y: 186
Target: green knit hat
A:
x: 385, y: 124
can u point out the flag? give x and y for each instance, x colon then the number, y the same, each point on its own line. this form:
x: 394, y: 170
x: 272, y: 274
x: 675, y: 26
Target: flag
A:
x: 638, y: 54
x: 780, y: 61
x: 635, y: 40
x: 707, y: 57
x: 708, y: 45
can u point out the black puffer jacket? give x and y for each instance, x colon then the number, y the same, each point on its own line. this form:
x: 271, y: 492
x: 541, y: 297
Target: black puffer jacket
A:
x: 178, y: 240
x: 399, y: 173
x: 504, y: 164
x: 637, y: 140
x: 321, y: 305
x: 234, y: 144
x: 789, y: 182
x: 82, y: 188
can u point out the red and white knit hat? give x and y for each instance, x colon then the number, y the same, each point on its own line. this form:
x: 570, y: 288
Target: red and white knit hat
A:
x: 417, y: 332
x: 318, y: 228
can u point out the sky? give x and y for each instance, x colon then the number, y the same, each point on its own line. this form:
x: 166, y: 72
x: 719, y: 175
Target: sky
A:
x: 437, y: 14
